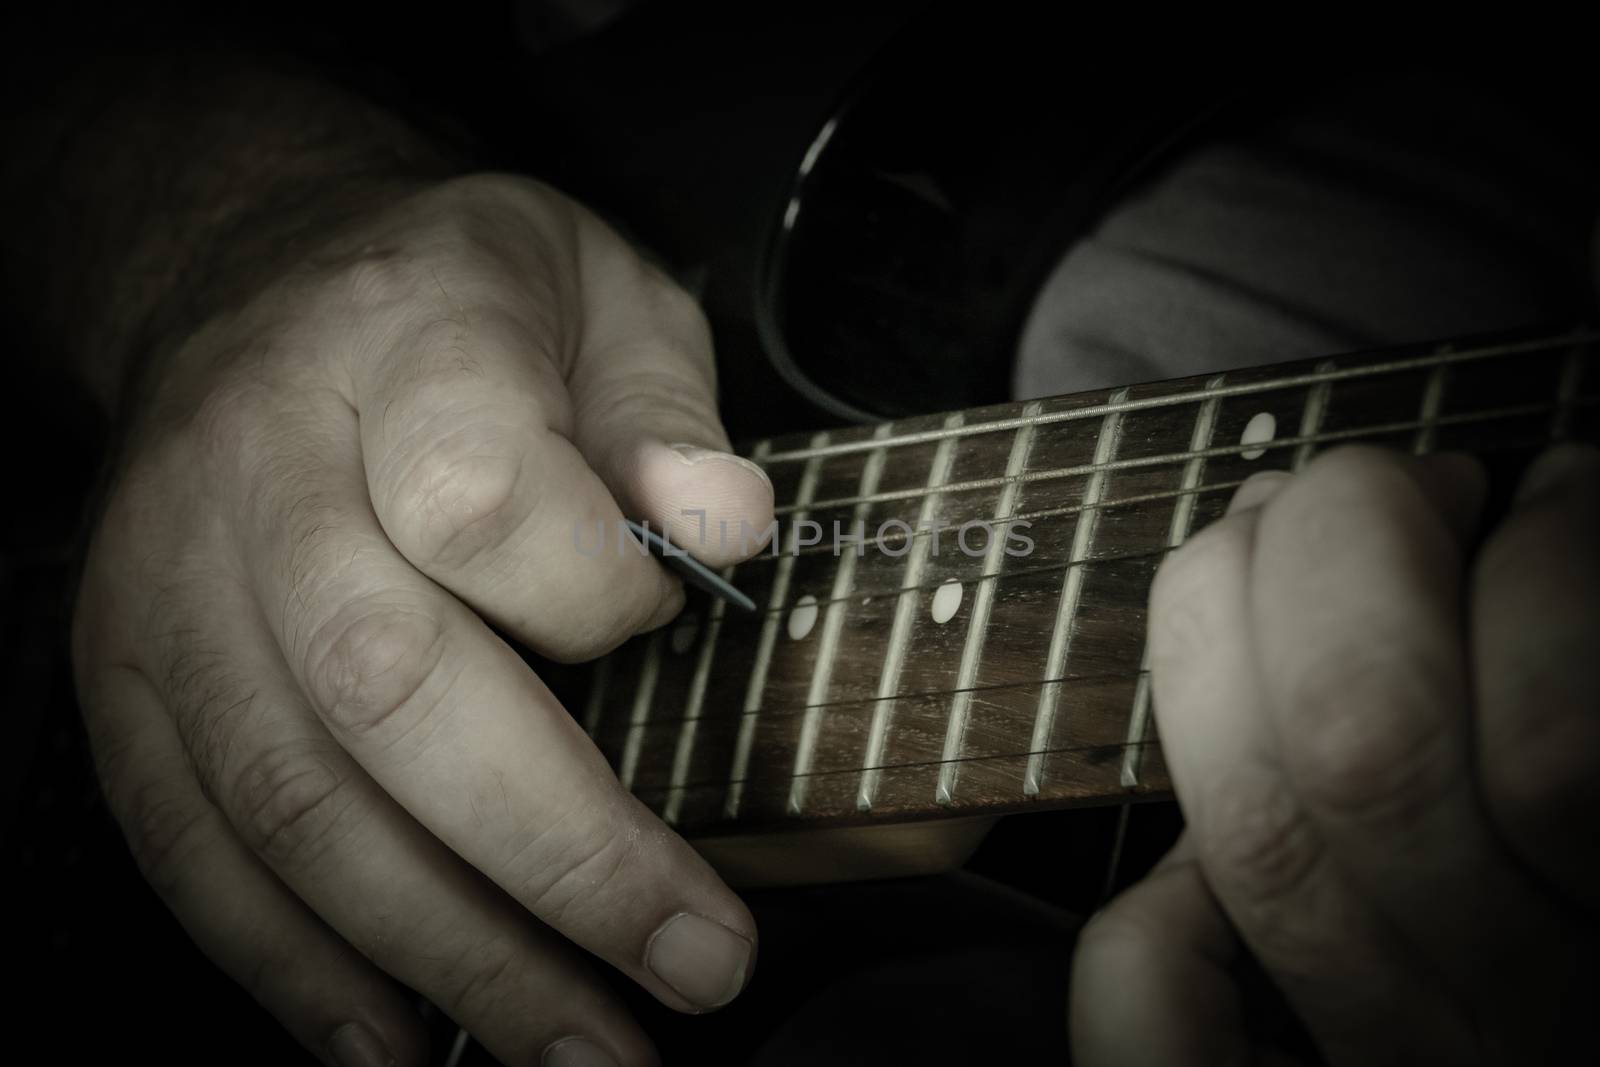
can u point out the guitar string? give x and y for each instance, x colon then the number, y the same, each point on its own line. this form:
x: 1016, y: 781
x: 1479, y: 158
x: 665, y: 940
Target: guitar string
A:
x: 1366, y: 370
x: 1124, y: 745
x: 1562, y: 407
x: 899, y: 537
x: 1210, y: 487
x: 781, y: 710
x: 1163, y: 459
x: 1027, y: 516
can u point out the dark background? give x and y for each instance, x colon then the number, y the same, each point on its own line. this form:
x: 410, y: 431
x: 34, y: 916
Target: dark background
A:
x: 684, y: 123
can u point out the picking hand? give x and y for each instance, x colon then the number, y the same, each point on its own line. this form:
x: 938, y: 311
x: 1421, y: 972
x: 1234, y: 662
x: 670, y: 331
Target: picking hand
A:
x: 324, y: 759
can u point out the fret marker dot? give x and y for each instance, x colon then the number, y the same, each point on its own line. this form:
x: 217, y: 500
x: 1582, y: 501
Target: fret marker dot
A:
x: 947, y: 600
x: 803, y: 617
x: 683, y: 635
x: 1261, y: 428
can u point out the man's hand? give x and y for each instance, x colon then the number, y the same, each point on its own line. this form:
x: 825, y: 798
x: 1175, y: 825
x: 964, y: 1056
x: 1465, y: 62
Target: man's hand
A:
x: 324, y: 759
x: 1388, y: 755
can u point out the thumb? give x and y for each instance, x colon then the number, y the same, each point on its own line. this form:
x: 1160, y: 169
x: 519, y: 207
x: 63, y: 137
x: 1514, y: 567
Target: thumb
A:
x: 643, y: 385
x: 1153, y: 975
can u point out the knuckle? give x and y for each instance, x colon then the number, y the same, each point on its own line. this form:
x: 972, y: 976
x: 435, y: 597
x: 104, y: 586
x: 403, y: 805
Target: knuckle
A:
x: 290, y: 802
x: 455, y: 502
x: 1259, y: 845
x: 377, y: 664
x: 491, y: 191
x: 656, y: 395
x: 210, y: 703
x: 379, y: 277
x: 569, y: 872
x: 1369, y: 740
x: 231, y: 425
x: 164, y: 828
x: 483, y: 978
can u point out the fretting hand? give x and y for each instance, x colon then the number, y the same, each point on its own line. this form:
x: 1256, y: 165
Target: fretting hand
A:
x: 1386, y: 746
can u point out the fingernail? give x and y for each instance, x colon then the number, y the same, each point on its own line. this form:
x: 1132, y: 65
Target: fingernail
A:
x: 1555, y: 468
x: 353, y: 1045
x: 1257, y: 490
x: 703, y: 960
x: 694, y: 454
x: 576, y: 1052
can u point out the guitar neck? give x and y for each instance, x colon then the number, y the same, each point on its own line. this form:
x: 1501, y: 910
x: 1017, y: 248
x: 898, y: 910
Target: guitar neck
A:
x: 951, y: 617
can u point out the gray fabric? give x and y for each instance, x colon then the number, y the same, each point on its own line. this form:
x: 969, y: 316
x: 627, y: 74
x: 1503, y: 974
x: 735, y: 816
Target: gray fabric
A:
x: 1393, y: 211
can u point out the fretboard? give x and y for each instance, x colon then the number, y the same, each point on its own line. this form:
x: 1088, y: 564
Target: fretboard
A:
x: 923, y: 671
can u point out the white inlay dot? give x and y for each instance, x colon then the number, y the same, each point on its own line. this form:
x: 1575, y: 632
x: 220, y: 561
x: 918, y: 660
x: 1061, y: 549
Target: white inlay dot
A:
x: 683, y: 635
x: 803, y: 617
x: 947, y: 600
x: 1261, y: 428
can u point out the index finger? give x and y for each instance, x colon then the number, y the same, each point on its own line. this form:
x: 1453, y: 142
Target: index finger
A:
x: 454, y: 726
x: 1356, y: 608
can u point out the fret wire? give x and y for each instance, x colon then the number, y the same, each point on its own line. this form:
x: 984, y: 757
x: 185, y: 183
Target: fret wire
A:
x: 642, y: 699
x: 769, y: 635
x: 1567, y: 393
x: 1208, y: 487
x: 978, y: 618
x: 1311, y: 417
x: 1346, y: 434
x: 900, y: 629
x: 1428, y: 415
x: 1168, y: 494
x: 912, y: 764
x: 1182, y: 519
x: 784, y: 710
x: 896, y: 537
x: 1105, y: 448
x: 684, y: 751
x: 1239, y: 389
x: 791, y: 711
x: 827, y: 644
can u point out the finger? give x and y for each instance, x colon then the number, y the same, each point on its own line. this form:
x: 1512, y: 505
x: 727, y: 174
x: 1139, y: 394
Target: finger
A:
x: 450, y: 722
x: 467, y: 439
x: 1356, y: 606
x: 1329, y: 953
x: 366, y: 867
x: 644, y: 383
x: 1534, y: 632
x: 1257, y: 490
x: 336, y: 1004
x: 1152, y: 975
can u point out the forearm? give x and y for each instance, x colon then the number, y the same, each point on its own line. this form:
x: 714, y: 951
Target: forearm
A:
x: 149, y: 192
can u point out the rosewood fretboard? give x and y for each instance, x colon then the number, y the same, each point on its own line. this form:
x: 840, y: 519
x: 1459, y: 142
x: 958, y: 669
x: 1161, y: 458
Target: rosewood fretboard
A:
x: 911, y: 679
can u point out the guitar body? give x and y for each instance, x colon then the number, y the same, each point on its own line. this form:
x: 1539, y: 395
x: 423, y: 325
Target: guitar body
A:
x: 898, y: 216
